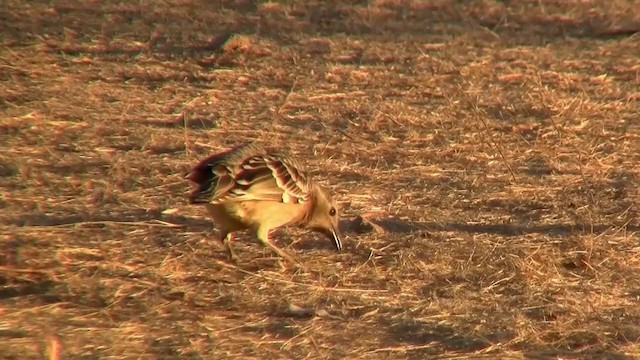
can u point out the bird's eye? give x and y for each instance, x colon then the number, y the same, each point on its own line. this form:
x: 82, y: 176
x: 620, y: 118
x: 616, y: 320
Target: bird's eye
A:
x: 332, y: 212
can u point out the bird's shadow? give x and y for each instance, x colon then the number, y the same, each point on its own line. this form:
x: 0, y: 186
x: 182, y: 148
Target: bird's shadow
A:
x: 127, y: 216
x: 394, y: 225
x: 351, y: 227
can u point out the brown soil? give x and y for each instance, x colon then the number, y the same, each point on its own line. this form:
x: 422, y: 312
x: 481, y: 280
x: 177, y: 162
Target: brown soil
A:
x: 495, y: 146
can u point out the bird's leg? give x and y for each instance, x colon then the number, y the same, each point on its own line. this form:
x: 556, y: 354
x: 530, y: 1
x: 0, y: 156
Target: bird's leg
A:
x: 263, y: 236
x: 226, y: 238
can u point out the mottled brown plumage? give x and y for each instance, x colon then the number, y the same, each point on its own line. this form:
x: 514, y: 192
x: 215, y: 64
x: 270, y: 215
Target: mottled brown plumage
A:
x: 249, y: 187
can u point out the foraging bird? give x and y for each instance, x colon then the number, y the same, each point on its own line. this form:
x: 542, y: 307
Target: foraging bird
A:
x: 249, y: 187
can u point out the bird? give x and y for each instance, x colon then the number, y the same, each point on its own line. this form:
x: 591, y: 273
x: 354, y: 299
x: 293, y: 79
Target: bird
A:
x: 250, y: 187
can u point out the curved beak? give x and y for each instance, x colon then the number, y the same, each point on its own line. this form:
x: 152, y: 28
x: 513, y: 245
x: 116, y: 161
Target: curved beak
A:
x: 334, y: 234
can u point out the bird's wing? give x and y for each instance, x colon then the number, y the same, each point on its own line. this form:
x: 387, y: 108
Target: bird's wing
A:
x: 214, y: 175
x: 268, y: 177
x: 249, y: 173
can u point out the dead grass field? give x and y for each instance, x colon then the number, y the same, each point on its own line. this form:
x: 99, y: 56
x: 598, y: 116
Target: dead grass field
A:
x: 496, y: 145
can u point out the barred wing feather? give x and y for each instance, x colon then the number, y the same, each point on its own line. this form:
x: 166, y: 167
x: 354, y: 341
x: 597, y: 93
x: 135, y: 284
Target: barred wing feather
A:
x: 249, y: 173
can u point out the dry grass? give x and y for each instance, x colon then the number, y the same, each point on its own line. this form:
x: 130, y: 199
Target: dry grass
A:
x: 496, y: 143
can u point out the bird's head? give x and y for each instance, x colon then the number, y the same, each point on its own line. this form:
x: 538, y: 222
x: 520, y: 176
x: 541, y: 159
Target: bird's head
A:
x: 324, y: 216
